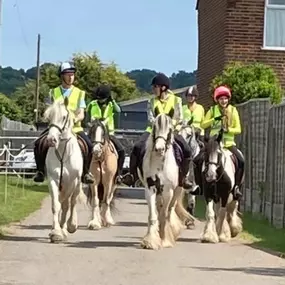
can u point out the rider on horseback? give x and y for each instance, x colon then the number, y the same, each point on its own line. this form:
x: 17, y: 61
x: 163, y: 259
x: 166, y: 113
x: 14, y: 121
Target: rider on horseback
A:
x: 224, y: 115
x: 103, y: 106
x: 194, y: 111
x: 76, y: 105
x: 165, y: 101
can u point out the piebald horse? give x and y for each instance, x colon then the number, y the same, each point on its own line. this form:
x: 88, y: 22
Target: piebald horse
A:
x: 187, y: 131
x: 64, y: 163
x: 160, y: 175
x: 218, y: 173
x: 103, y: 167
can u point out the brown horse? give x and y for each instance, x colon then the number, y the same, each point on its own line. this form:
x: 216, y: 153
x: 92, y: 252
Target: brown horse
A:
x: 103, y: 167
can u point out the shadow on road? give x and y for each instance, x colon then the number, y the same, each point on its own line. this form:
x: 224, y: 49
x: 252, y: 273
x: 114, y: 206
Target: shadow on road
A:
x: 265, y: 271
x: 131, y: 224
x: 23, y: 238
x: 95, y: 244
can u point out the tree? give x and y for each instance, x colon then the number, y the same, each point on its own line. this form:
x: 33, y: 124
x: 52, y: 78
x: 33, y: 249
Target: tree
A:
x: 24, y: 97
x: 91, y: 72
x: 9, y: 108
x: 249, y: 81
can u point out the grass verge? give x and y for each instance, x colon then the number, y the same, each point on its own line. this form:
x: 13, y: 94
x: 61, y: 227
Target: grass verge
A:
x: 23, y: 198
x: 258, y: 232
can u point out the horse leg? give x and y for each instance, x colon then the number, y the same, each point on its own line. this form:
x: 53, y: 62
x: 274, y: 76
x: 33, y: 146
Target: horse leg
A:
x: 210, y: 233
x: 56, y: 232
x: 106, y: 207
x: 95, y: 223
x: 222, y: 225
x: 235, y: 222
x: 191, y: 204
x: 152, y: 239
x: 72, y: 223
x: 63, y: 219
x: 165, y: 217
x: 178, y: 214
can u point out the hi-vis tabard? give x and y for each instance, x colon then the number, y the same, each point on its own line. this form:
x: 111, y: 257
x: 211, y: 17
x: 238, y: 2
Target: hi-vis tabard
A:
x: 164, y: 107
x: 197, y: 114
x: 95, y: 111
x: 73, y: 99
x: 228, y: 138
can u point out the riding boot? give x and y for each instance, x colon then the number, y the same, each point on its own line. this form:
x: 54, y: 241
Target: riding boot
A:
x: 40, y: 158
x: 186, y: 184
x: 87, y: 177
x: 238, y: 178
x: 130, y: 178
x: 197, y: 189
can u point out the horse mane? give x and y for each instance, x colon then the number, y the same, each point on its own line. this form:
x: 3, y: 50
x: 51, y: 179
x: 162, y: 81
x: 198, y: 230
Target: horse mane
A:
x: 55, y: 111
x: 99, y: 123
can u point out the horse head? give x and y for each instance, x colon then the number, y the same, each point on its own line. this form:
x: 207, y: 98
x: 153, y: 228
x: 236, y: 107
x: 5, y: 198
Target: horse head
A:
x: 214, y: 158
x: 60, y: 122
x: 99, y: 136
x: 162, y: 133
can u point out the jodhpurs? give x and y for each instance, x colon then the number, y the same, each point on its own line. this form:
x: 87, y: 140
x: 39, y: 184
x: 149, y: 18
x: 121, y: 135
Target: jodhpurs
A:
x: 121, y: 153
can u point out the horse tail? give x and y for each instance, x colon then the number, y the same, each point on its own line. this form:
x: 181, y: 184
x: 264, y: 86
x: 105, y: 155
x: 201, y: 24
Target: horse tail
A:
x: 180, y: 210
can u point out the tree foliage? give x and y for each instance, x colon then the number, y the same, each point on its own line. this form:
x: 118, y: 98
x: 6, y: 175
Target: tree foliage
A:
x: 9, y: 108
x: 249, y: 81
x: 24, y: 98
x: 143, y: 78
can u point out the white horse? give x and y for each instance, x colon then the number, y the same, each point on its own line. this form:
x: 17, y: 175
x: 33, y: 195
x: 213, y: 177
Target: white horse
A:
x: 187, y: 131
x: 160, y: 176
x: 218, y: 171
x: 64, y: 163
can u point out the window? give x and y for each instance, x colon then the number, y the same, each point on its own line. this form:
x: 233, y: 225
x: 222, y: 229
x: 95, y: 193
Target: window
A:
x: 274, y: 24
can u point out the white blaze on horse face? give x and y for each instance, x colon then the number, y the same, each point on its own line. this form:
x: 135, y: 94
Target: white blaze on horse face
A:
x: 97, y: 148
x: 162, y: 130
x: 211, y: 174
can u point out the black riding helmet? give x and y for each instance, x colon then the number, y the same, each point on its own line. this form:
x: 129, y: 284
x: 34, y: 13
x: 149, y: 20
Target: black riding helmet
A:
x: 161, y: 80
x: 102, y: 92
x: 192, y: 91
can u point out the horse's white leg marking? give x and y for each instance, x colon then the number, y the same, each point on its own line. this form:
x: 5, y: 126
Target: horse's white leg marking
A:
x: 210, y: 233
x: 235, y: 222
x: 72, y: 223
x: 106, y: 210
x: 164, y: 217
x: 95, y: 223
x: 222, y: 226
x: 152, y: 239
x: 63, y: 219
x: 56, y: 232
x: 177, y: 214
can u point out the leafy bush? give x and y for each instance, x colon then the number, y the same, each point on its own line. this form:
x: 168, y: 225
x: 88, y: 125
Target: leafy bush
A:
x: 249, y: 81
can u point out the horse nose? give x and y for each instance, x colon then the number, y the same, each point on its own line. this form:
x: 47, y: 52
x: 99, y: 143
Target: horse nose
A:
x: 159, y: 149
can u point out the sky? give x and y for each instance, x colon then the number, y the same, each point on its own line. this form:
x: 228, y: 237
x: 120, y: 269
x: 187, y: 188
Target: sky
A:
x: 135, y: 34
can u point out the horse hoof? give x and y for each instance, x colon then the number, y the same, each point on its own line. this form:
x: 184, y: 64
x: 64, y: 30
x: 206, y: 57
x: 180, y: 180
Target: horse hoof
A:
x: 146, y: 243
x: 224, y: 238
x: 166, y: 244
x: 210, y: 239
x: 56, y: 238
x: 72, y: 228
x: 94, y: 226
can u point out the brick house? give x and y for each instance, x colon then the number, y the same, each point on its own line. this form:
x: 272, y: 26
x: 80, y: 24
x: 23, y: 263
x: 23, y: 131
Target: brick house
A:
x: 239, y: 30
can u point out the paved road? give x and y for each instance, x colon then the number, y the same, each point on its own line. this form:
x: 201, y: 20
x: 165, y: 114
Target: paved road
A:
x: 112, y: 256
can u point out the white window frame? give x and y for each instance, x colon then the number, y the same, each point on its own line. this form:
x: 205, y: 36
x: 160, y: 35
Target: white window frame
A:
x: 266, y: 6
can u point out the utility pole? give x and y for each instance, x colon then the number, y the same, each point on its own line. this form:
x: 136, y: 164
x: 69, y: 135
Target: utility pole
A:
x: 37, y: 93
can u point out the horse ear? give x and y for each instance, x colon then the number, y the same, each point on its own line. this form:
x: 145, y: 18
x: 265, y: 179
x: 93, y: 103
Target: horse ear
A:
x: 156, y: 112
x: 171, y: 113
x: 220, y: 136
x: 206, y: 138
x: 190, y: 122
x: 66, y: 101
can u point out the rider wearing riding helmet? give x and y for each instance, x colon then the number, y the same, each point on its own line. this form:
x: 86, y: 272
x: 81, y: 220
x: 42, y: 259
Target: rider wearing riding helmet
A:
x: 103, y: 106
x: 165, y: 101
x: 76, y: 104
x: 224, y: 115
x: 194, y: 111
